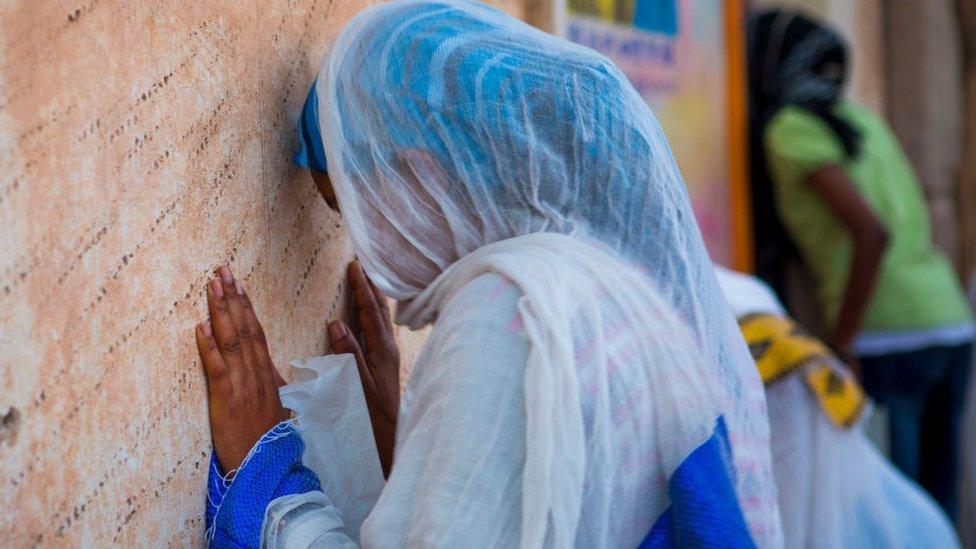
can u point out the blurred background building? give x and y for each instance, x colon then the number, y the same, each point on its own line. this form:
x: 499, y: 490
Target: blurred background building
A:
x: 913, y: 61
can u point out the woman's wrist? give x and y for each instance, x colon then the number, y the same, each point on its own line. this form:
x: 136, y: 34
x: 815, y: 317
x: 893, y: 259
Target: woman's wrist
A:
x: 236, y: 500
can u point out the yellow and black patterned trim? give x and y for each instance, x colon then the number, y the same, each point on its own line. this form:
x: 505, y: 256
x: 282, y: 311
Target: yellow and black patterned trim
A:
x: 840, y: 395
x: 780, y: 348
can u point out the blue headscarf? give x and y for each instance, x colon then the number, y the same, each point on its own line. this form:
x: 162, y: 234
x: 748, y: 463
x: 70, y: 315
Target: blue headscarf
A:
x: 311, y: 153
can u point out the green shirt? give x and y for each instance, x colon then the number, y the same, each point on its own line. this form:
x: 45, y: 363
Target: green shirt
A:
x: 916, y: 287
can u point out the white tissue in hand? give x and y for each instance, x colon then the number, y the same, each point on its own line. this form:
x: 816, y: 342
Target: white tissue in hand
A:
x: 327, y: 397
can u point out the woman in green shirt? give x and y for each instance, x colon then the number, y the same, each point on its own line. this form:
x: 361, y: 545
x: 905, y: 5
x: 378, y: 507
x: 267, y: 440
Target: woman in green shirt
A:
x: 846, y: 197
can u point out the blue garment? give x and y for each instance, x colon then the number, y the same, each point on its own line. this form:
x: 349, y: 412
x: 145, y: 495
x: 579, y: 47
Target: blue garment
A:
x: 704, y: 510
x: 925, y: 394
x: 311, y: 151
x: 273, y: 469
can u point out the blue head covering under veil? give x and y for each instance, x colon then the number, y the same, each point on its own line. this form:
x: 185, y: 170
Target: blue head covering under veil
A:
x: 311, y: 153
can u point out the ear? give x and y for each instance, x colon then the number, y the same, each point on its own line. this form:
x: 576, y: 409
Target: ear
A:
x: 324, y: 184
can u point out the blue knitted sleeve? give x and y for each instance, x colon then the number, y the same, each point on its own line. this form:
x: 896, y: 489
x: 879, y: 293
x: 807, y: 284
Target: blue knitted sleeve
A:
x: 236, y: 502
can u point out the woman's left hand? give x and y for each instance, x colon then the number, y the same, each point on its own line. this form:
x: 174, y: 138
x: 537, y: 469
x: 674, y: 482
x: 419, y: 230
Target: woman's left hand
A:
x: 378, y: 360
x: 242, y: 382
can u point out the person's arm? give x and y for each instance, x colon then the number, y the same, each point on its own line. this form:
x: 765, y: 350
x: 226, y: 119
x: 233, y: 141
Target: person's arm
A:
x: 256, y: 467
x: 460, y: 450
x: 457, y: 477
x: 378, y: 359
x: 870, y: 239
x: 257, y: 455
x: 273, y: 470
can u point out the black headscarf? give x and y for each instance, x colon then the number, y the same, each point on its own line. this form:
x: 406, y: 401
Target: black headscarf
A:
x: 793, y: 60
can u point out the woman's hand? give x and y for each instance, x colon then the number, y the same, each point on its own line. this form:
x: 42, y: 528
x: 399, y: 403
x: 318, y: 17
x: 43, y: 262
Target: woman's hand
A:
x: 379, y: 365
x: 242, y: 382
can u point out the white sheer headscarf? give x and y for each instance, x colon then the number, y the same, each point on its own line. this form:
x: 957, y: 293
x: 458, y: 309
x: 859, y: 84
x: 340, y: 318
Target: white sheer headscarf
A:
x: 450, y: 126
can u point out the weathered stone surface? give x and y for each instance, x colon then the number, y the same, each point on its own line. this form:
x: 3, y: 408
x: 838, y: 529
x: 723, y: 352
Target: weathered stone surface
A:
x: 142, y: 144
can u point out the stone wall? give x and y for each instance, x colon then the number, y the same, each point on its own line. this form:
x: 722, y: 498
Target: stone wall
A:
x: 142, y: 144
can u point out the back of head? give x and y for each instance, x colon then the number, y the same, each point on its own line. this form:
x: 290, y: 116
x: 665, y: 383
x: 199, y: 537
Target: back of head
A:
x: 794, y: 59
x: 450, y: 125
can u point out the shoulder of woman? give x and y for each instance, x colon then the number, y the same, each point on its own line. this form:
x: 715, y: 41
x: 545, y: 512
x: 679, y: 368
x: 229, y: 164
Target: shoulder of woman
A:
x: 481, y: 322
x: 797, y: 137
x: 792, y: 122
x: 488, y: 300
x: 476, y: 332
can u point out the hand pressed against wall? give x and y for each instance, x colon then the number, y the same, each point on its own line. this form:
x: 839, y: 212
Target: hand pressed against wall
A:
x: 378, y: 360
x: 242, y: 382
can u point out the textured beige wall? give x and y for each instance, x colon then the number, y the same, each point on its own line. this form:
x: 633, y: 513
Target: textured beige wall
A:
x: 142, y: 143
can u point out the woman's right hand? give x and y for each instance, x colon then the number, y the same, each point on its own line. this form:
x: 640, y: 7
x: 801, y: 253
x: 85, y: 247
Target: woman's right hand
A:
x: 242, y: 382
x: 378, y: 360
